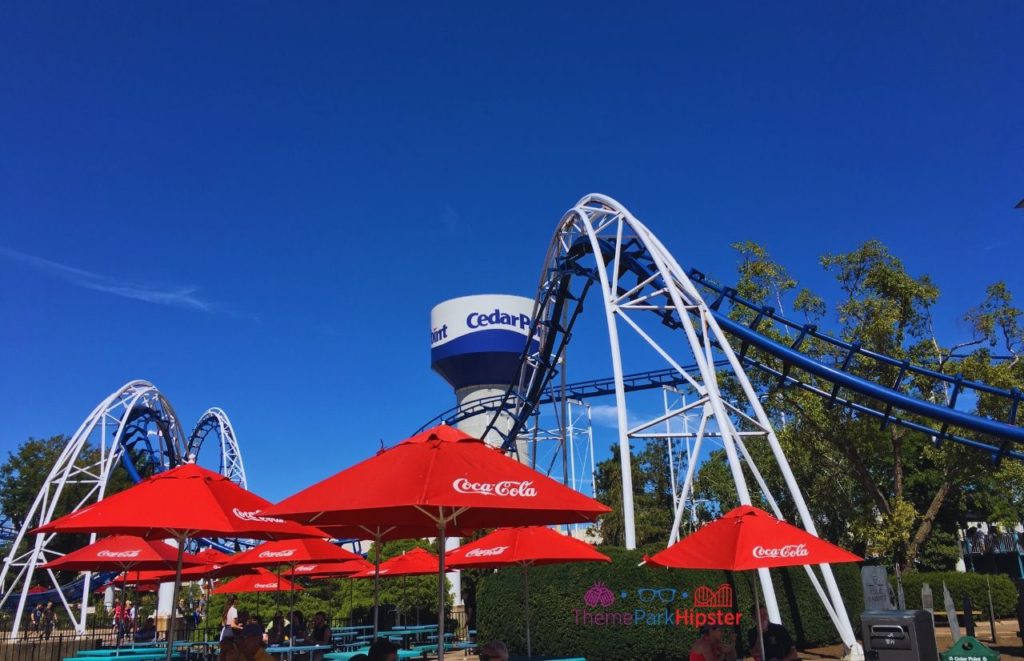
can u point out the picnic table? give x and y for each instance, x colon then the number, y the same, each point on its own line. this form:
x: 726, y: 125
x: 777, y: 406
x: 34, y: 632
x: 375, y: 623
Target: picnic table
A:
x: 117, y: 651
x: 297, y: 649
x: 153, y: 655
x: 345, y: 656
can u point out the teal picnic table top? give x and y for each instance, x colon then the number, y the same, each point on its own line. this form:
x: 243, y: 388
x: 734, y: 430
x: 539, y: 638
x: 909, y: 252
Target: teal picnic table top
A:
x: 118, y: 651
x: 152, y: 656
x: 297, y: 649
x: 345, y: 656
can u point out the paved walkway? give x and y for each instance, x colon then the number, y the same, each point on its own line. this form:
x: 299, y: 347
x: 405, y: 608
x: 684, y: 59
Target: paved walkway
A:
x: 1008, y: 645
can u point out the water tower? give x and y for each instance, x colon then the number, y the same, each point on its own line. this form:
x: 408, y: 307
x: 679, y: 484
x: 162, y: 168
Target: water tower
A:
x: 476, y: 343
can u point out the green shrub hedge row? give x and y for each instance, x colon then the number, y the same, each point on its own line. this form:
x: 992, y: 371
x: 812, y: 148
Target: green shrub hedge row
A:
x: 633, y: 624
x: 1004, y: 594
x: 563, y: 624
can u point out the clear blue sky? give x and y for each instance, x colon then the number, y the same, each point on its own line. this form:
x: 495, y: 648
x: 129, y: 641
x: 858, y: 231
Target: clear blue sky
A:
x: 255, y: 205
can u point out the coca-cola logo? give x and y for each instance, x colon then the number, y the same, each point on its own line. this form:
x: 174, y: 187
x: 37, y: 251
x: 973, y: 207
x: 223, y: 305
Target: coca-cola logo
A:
x: 787, y: 551
x: 486, y: 553
x: 304, y: 568
x: 506, y: 488
x: 120, y: 555
x: 254, y: 515
x: 265, y: 586
x: 285, y: 553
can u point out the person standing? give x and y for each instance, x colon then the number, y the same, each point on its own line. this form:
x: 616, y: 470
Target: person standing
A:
x: 120, y: 619
x: 129, y: 616
x: 778, y: 644
x: 36, y: 618
x: 49, y: 620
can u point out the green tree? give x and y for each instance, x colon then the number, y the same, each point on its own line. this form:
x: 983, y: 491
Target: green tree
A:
x: 885, y: 490
x: 652, y: 496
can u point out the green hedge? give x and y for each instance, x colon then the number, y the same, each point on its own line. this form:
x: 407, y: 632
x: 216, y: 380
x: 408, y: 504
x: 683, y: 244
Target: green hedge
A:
x: 1004, y: 594
x: 558, y: 611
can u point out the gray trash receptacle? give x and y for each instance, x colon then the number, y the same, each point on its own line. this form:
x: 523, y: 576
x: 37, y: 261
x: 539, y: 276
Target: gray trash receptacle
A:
x: 899, y: 636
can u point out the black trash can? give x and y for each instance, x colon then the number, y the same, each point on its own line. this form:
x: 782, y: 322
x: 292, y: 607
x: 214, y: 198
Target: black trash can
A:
x: 899, y: 636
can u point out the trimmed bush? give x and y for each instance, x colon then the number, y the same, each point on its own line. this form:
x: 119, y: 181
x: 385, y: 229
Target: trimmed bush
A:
x: 616, y: 624
x: 1004, y: 594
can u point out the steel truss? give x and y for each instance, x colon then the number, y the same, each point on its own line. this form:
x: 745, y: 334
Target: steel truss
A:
x: 134, y: 427
x: 215, y: 420
x: 599, y: 242
x: 565, y: 451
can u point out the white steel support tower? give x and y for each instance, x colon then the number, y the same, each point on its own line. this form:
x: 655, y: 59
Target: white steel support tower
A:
x: 639, y: 282
x: 136, y: 411
x: 134, y: 429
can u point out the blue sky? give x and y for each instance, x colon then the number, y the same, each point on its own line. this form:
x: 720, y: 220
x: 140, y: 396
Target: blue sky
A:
x: 255, y: 205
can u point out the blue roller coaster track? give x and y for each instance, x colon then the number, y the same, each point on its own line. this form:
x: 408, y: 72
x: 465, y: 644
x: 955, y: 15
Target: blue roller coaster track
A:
x: 845, y: 374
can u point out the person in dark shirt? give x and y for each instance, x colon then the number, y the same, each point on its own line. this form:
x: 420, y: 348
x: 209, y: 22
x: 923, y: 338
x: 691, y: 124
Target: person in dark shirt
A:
x: 147, y: 632
x: 778, y: 644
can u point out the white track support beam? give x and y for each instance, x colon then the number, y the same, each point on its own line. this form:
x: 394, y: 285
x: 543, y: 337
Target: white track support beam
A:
x: 87, y: 460
x: 643, y: 286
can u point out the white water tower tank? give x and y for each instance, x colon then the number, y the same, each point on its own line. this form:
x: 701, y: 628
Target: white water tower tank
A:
x: 476, y: 343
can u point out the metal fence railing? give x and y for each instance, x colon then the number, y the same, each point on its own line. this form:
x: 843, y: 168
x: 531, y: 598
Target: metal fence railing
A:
x: 62, y: 643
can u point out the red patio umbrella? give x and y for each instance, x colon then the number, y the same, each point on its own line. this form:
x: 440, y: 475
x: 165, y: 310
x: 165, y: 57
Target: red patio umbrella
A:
x: 414, y: 562
x: 290, y: 552
x: 747, y: 538
x: 214, y: 567
x: 261, y: 581
x: 138, y: 577
x: 122, y: 552
x: 329, y: 569
x: 440, y: 478
x: 187, y: 501
x: 379, y: 534
x: 534, y: 545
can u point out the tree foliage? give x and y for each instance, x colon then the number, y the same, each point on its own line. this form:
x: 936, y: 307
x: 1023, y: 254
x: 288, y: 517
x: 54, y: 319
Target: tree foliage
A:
x: 884, y: 490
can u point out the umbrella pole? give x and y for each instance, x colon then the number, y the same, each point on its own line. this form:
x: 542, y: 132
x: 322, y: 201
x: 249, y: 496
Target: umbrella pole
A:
x: 291, y: 607
x: 121, y: 626
x: 277, y: 591
x: 376, y: 583
x: 757, y: 620
x: 440, y: 588
x: 138, y: 600
x: 526, y: 607
x: 174, y: 598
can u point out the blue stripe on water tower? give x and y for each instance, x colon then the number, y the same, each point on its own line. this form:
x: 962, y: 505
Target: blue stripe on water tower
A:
x: 478, y: 340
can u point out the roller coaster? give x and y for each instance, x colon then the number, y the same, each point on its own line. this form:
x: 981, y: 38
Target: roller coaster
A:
x: 643, y: 290
x: 134, y: 428
x: 705, y: 348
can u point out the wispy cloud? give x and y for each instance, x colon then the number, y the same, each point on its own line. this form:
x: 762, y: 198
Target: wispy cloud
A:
x: 607, y: 415
x: 181, y: 297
